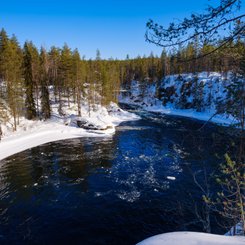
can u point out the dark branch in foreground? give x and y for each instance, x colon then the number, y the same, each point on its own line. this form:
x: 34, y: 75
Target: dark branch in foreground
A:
x: 221, y: 24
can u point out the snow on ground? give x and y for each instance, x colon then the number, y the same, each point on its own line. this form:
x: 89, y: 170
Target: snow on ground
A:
x: 193, y: 238
x: 33, y: 133
x: 224, y: 120
x: 213, y: 86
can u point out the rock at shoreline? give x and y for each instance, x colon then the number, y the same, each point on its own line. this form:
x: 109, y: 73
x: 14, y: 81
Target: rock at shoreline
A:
x: 90, y: 126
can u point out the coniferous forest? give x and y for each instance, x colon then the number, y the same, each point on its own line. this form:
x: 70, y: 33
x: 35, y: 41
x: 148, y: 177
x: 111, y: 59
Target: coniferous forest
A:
x: 28, y: 73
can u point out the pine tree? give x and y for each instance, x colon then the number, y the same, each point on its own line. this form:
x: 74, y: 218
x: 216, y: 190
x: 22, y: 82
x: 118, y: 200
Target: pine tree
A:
x: 163, y: 63
x: 54, y: 60
x: 230, y: 202
x: 11, y: 58
x: 77, y: 78
x: 65, y: 72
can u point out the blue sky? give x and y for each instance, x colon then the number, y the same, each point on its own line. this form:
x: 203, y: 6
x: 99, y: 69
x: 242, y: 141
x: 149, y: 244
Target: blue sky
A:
x: 116, y: 28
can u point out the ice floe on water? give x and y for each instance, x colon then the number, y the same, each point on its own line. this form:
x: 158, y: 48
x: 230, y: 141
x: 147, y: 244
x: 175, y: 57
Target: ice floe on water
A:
x: 171, y: 177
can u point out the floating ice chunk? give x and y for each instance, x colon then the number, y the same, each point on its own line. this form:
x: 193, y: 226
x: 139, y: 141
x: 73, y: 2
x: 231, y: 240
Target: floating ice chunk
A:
x: 98, y: 194
x: 171, y: 178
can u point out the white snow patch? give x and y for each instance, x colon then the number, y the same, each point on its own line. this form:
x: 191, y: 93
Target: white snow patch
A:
x: 193, y: 238
x: 224, y: 120
x: 33, y: 133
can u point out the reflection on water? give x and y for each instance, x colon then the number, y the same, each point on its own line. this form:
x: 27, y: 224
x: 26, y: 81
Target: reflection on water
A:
x: 116, y: 190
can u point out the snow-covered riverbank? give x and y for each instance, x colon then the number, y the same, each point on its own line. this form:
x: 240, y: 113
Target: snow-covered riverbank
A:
x: 33, y: 133
x: 223, y: 120
x: 194, y: 96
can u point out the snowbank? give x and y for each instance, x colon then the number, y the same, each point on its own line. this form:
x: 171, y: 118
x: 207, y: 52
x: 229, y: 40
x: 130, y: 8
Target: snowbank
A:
x: 221, y: 119
x: 193, y: 238
x: 33, y: 133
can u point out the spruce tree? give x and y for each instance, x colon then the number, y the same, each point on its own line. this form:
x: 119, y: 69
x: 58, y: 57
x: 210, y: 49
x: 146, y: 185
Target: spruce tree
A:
x: 29, y: 84
x: 3, y: 45
x: 45, y: 104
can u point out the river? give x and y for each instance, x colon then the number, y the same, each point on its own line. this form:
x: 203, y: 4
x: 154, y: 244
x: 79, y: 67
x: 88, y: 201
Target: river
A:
x: 113, y: 190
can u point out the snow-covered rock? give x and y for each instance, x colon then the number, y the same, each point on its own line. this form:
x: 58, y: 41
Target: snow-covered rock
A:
x: 236, y: 230
x: 100, y: 122
x: 195, y: 96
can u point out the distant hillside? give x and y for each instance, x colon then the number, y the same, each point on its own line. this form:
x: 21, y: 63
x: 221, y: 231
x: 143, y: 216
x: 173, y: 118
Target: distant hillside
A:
x: 206, y: 94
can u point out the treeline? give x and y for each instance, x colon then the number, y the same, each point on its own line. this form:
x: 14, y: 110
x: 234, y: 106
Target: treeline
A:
x: 28, y: 75
x: 184, y: 60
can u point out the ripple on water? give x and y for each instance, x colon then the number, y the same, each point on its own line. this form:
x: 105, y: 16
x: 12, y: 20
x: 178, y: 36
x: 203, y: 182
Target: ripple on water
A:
x: 129, y: 196
x: 137, y: 128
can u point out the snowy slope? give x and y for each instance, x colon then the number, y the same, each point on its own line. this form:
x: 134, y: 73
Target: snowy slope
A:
x: 31, y: 133
x: 193, y: 238
x: 195, y: 96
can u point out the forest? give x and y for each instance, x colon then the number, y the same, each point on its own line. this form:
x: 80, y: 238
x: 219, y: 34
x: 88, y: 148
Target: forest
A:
x: 29, y: 74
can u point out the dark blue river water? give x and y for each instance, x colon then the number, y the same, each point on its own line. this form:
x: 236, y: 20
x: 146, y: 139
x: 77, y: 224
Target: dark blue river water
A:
x: 116, y: 190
